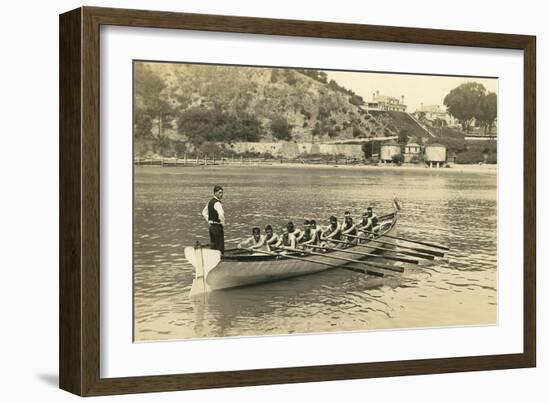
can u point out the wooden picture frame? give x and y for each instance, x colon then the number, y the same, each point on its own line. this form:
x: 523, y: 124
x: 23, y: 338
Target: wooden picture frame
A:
x: 79, y: 346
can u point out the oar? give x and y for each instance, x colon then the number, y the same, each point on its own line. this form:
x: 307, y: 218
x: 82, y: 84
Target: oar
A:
x: 326, y: 255
x: 357, y: 270
x: 233, y: 240
x: 396, y: 258
x: 420, y: 255
x: 421, y: 250
x: 432, y: 245
x: 398, y: 269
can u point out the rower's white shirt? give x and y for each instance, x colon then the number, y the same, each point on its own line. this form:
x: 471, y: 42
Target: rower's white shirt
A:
x: 218, y: 207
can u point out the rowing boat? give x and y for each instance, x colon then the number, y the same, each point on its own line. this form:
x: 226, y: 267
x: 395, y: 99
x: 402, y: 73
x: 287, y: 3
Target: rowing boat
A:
x: 237, y: 268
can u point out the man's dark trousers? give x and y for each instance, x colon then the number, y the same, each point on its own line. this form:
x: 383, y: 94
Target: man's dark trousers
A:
x: 216, y: 237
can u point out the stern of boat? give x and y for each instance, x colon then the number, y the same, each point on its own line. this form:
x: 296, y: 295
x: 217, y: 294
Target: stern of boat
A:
x: 203, y: 260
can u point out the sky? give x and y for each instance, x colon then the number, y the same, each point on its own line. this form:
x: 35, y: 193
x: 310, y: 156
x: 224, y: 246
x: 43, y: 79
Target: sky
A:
x: 417, y: 89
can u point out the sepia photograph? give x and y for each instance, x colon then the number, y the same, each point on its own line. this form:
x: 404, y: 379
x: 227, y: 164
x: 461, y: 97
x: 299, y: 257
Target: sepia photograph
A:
x: 278, y: 201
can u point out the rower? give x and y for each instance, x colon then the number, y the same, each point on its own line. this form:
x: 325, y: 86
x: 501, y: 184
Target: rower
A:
x: 368, y: 225
x: 333, y: 231
x: 363, y: 226
x: 349, y: 228
x: 270, y: 238
x: 256, y: 241
x: 286, y: 240
x: 293, y: 230
x: 374, y: 220
x: 304, y: 235
x: 311, y: 235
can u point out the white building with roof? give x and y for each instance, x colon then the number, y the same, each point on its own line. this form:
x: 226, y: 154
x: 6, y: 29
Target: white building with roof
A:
x: 385, y: 103
x: 433, y: 112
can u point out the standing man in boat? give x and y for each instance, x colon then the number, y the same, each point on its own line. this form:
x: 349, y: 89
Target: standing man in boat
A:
x: 213, y: 213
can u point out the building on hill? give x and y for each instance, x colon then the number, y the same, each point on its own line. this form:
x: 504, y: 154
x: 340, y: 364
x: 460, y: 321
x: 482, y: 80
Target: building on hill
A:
x: 388, y: 151
x: 411, y: 151
x: 386, y: 103
x: 435, y: 155
x: 432, y: 113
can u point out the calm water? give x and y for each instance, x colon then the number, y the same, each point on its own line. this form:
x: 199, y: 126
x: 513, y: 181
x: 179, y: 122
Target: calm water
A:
x: 445, y: 206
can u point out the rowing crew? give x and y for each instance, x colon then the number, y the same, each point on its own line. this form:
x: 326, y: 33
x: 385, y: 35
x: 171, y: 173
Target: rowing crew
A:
x: 312, y: 236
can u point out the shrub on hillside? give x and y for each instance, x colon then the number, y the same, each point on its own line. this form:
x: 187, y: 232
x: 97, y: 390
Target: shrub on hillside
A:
x: 398, y: 159
x: 470, y: 157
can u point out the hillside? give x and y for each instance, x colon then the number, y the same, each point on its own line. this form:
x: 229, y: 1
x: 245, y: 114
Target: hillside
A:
x: 182, y: 106
x: 397, y: 121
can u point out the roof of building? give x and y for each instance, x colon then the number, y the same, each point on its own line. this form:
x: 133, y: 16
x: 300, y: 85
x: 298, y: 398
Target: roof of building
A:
x: 430, y: 108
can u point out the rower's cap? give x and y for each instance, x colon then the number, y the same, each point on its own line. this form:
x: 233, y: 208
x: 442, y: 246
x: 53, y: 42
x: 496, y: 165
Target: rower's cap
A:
x: 256, y: 230
x: 313, y: 223
x: 290, y: 224
x: 333, y: 219
x: 347, y: 214
x: 365, y: 214
x: 268, y: 228
x: 307, y: 223
x: 369, y: 208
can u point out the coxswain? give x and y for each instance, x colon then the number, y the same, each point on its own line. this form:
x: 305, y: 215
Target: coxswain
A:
x: 349, y: 228
x: 213, y: 213
x: 256, y: 241
x: 270, y: 238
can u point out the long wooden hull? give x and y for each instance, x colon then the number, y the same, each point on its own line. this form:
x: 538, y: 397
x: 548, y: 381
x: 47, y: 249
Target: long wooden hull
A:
x: 241, y: 270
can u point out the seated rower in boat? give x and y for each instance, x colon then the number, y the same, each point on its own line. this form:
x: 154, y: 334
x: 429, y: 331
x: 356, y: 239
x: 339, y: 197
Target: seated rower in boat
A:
x: 368, y: 225
x: 270, y: 238
x: 349, y: 228
x: 310, y: 236
x: 332, y: 232
x: 293, y: 230
x: 256, y: 241
x: 286, y: 240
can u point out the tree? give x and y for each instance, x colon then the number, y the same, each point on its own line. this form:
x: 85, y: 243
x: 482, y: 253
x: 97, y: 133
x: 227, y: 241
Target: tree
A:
x: 464, y: 101
x: 403, y: 137
x: 280, y: 129
x: 357, y: 132
x: 487, y: 112
x: 356, y: 100
x: 152, y: 109
x: 200, y: 124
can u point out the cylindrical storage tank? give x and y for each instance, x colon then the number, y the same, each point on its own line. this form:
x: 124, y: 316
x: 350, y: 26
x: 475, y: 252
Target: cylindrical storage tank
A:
x: 435, y: 153
x: 388, y: 151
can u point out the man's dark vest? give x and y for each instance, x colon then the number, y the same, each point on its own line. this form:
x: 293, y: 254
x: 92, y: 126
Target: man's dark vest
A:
x: 212, y: 213
x: 307, y: 236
